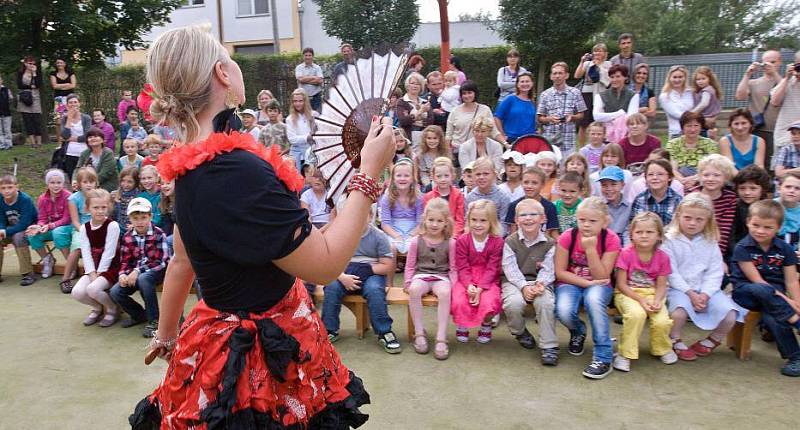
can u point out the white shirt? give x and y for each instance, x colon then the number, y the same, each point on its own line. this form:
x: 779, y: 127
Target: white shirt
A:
x: 75, y: 149
x: 546, y: 274
x: 450, y: 98
x: 696, y: 264
x: 674, y: 105
x: 298, y: 131
x: 109, y: 250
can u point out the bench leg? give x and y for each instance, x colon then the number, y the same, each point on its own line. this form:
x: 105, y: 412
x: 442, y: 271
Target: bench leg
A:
x: 740, y: 338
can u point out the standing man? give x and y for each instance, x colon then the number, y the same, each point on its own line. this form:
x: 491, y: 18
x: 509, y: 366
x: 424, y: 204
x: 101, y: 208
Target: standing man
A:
x: 435, y: 84
x: 786, y: 97
x: 757, y: 92
x: 348, y: 58
x: 626, y: 55
x: 309, y: 78
x: 560, y: 107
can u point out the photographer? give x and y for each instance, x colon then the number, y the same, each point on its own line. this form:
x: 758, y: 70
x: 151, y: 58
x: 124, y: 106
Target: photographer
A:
x: 595, y: 69
x: 756, y: 91
x: 560, y: 108
x: 786, y: 97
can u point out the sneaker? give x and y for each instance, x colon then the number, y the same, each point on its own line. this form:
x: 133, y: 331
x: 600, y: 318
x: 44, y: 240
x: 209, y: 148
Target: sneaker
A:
x: 597, y: 370
x: 130, y: 322
x: 47, y: 266
x: 333, y: 337
x: 27, y: 279
x: 526, y: 339
x: 550, y: 357
x: 669, y: 358
x: 150, y: 329
x: 791, y: 368
x: 576, y: 344
x: 390, y: 343
x: 621, y: 363
x: 462, y: 334
x: 485, y: 334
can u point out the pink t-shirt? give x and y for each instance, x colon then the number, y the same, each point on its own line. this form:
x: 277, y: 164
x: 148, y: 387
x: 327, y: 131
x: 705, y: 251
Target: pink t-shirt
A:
x: 641, y: 274
x: 578, y: 264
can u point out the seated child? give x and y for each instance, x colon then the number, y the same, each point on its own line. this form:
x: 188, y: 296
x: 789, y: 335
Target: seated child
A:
x: 612, y: 182
x: 98, y: 239
x: 642, y: 270
x: 548, y: 162
x: 142, y: 267
x: 479, y: 252
x: 431, y: 267
x: 131, y: 157
x: 78, y: 215
x: 571, y: 188
x: 751, y: 184
x: 148, y: 180
x: 513, y: 164
x: 53, y: 223
x: 135, y: 131
x: 401, y: 206
x: 17, y: 213
x: 128, y: 190
x: 166, y: 206
x: 153, y: 145
x: 528, y: 277
x: 612, y: 155
x: 443, y: 175
x: 765, y: 280
x: 467, y: 178
x: 313, y: 200
x: 533, y: 178
x: 365, y: 275
x: 788, y: 157
x: 658, y: 197
x: 574, y: 163
x: 431, y: 147
x: 486, y: 188
x: 584, y: 264
x: 639, y: 184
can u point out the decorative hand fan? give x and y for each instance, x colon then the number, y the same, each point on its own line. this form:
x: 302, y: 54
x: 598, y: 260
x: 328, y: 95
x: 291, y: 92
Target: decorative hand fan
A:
x: 360, y: 92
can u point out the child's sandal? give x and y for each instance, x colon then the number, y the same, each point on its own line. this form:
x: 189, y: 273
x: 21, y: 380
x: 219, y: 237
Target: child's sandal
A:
x: 703, y: 351
x: 441, y: 353
x: 683, y: 354
x: 420, y: 344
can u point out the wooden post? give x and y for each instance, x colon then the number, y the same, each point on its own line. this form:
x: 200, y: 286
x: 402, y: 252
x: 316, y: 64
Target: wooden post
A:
x: 444, y: 25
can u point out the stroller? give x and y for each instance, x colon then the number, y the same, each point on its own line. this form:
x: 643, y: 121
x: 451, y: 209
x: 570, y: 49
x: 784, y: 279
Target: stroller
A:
x: 534, y: 144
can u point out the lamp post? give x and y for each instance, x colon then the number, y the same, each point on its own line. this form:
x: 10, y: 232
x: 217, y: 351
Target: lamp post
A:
x: 444, y: 27
x: 276, y: 37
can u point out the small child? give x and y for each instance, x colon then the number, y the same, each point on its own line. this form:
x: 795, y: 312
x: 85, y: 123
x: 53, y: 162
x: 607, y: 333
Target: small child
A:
x: 513, y: 163
x: 638, y: 144
x: 17, y: 213
x: 53, y: 223
x: 707, y: 96
x: 78, y: 215
x: 584, y: 264
x: 612, y: 182
x: 148, y: 180
x: 401, y: 206
x: 765, y: 280
x: 431, y: 267
x: 5, y: 116
x: 571, y: 188
x: 486, y: 188
x: 313, y: 200
x: 658, y: 197
x: 789, y: 187
x: 714, y: 172
x: 751, y: 185
x: 575, y: 163
x: 451, y: 96
x: 402, y: 146
x: 249, y: 124
x: 788, y: 156
x: 613, y: 156
x: 528, y: 276
x: 694, y: 292
x: 131, y: 157
x: 594, y: 150
x: 532, y: 180
x: 365, y: 275
x: 128, y: 190
x: 432, y: 146
x: 274, y: 132
x: 98, y: 239
x: 136, y: 131
x: 153, y: 146
x: 479, y: 253
x: 468, y: 178
x: 548, y: 162
x: 443, y: 174
x: 142, y: 267
x: 642, y: 270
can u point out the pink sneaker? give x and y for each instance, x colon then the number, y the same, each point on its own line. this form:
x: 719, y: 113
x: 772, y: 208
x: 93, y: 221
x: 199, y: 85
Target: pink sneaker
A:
x: 485, y: 334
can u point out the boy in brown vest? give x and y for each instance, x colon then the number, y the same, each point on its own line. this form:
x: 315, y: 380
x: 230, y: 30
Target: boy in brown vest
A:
x: 528, y: 276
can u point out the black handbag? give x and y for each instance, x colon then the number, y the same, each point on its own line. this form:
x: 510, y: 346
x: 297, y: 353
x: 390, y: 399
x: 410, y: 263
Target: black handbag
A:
x: 59, y: 156
x: 26, y: 97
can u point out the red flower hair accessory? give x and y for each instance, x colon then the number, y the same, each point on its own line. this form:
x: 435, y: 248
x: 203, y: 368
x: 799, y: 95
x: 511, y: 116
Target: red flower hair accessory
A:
x: 145, y: 99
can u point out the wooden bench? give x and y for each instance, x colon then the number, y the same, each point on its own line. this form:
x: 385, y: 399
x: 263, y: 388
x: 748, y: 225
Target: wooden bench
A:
x: 740, y: 338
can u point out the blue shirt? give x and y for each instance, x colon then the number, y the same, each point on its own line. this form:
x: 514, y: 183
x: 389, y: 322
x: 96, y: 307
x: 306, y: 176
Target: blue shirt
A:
x: 770, y: 263
x: 664, y: 209
x: 80, y: 202
x: 16, y: 217
x: 518, y: 116
x: 155, y: 201
x: 549, y: 212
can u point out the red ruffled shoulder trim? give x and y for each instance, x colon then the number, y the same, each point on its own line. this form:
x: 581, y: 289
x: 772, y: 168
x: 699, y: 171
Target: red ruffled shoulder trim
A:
x: 184, y: 157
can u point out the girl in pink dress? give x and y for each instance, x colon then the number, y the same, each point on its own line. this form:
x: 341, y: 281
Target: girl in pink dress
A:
x: 479, y: 251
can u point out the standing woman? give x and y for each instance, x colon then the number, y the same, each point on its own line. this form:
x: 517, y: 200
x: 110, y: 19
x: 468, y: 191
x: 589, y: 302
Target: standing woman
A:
x: 63, y: 82
x: 593, y: 68
x: 300, y: 126
x: 741, y: 146
x: 647, y: 97
x: 253, y: 350
x: 507, y: 76
x: 74, y: 126
x: 461, y: 119
x: 30, y: 105
x: 676, y: 98
x: 516, y: 116
x: 101, y: 158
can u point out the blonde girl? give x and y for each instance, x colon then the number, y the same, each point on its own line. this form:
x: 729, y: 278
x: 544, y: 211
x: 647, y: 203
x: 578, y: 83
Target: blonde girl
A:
x: 612, y: 155
x: 443, y: 176
x: 149, y: 181
x: 513, y: 164
x: 299, y: 126
x: 697, y: 272
x: 431, y: 266
x: 548, y: 162
x: 431, y: 147
x: 584, y: 264
x: 575, y: 163
x: 98, y: 239
x: 87, y: 181
x: 313, y: 200
x: 402, y: 145
x: 128, y: 190
x: 486, y: 188
x: 479, y: 252
x: 715, y: 171
x: 676, y: 98
x: 707, y: 96
x: 401, y: 206
x: 642, y: 270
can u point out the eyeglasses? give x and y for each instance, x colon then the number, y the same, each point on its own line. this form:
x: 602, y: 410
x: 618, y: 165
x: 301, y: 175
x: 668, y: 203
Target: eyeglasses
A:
x: 529, y: 214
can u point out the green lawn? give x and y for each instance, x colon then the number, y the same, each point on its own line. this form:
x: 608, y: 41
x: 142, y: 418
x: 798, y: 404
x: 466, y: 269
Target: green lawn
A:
x: 31, y: 165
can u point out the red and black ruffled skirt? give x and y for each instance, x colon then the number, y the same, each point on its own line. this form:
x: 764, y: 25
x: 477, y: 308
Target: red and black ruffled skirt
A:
x: 269, y: 370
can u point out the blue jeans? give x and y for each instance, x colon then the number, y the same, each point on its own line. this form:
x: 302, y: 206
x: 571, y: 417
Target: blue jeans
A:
x: 595, y: 300
x: 316, y: 102
x: 774, y: 313
x: 298, y: 152
x: 373, y: 290
x: 146, y: 284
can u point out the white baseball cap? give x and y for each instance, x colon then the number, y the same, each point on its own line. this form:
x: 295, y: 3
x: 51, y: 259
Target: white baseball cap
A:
x: 139, y: 204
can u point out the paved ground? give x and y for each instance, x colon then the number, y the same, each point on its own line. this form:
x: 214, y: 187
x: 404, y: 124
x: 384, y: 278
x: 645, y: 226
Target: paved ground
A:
x: 57, y: 374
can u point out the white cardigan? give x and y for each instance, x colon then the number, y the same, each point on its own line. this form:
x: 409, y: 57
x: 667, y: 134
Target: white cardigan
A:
x: 696, y: 264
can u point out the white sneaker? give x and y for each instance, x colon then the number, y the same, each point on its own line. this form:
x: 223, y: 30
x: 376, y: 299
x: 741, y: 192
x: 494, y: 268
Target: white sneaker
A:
x: 622, y: 364
x: 669, y: 358
x: 47, y: 266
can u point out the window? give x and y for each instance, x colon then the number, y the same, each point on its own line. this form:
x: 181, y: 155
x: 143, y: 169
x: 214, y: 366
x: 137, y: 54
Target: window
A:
x: 252, y: 7
x: 189, y: 3
x: 254, y: 49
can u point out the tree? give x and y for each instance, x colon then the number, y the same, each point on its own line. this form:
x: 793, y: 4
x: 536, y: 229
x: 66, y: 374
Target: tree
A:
x: 545, y: 33
x: 480, y: 15
x: 83, y: 31
x: 369, y: 22
x: 674, y: 27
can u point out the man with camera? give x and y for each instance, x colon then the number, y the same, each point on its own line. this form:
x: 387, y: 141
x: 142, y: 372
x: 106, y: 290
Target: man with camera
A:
x: 786, y: 97
x: 560, y: 108
x: 757, y: 92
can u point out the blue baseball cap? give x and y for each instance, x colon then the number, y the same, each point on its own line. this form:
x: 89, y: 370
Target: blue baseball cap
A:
x: 612, y: 173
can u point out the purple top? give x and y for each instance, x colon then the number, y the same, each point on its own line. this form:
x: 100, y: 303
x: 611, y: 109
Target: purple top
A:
x: 108, y: 132
x: 399, y: 212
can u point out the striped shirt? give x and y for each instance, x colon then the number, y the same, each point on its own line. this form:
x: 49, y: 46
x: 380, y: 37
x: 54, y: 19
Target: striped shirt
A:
x: 724, y: 214
x: 664, y: 209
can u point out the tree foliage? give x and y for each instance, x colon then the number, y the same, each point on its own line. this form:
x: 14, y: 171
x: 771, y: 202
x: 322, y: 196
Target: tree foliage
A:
x: 83, y: 31
x: 673, y: 27
x: 369, y: 22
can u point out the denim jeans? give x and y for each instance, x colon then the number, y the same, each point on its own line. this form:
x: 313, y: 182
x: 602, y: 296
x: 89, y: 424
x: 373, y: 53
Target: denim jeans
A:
x: 146, y: 284
x: 774, y: 313
x: 373, y: 290
x: 298, y: 152
x: 595, y: 300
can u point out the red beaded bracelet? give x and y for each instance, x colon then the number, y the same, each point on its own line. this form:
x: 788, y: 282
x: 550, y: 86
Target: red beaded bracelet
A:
x: 365, y: 184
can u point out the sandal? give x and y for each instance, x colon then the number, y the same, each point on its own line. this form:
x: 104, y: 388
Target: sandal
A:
x: 420, y: 344
x: 443, y: 352
x: 66, y: 286
x: 702, y: 350
x: 683, y: 354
